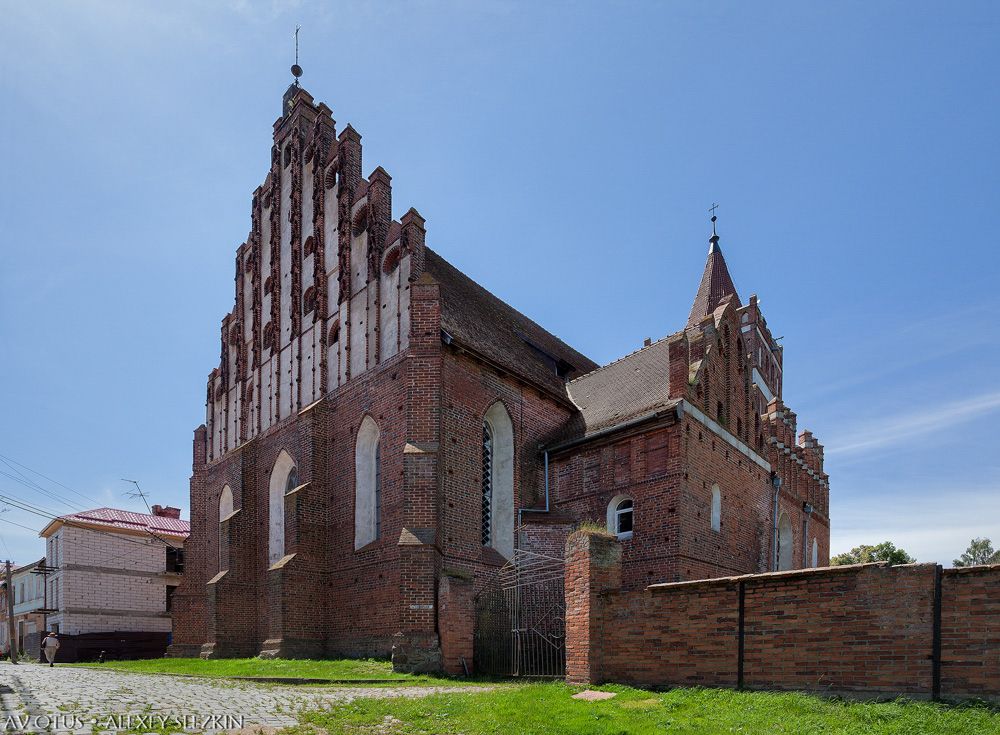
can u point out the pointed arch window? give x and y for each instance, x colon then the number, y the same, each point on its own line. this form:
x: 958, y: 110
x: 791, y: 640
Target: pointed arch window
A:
x: 367, y: 484
x: 282, y: 475
x: 497, y: 527
x: 225, y: 510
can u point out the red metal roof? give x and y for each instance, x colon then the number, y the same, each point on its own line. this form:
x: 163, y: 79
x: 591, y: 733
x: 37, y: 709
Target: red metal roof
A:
x: 126, y: 519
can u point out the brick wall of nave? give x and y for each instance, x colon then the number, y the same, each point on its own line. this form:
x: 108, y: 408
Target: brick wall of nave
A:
x: 347, y: 600
x: 470, y: 389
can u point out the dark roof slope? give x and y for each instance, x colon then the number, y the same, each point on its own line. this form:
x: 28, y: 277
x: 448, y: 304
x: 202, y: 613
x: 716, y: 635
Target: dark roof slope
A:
x: 480, y: 321
x: 716, y: 284
x: 636, y: 385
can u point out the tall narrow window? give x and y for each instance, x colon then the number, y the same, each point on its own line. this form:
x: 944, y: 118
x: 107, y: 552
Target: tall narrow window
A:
x: 815, y: 554
x: 378, y: 489
x: 367, y: 484
x: 716, y: 508
x: 498, y: 480
x: 225, y: 510
x: 784, y: 543
x: 281, y: 475
x: 487, y: 525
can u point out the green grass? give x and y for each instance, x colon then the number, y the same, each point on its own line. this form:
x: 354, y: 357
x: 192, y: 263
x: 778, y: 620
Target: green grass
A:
x: 549, y: 709
x: 344, y: 669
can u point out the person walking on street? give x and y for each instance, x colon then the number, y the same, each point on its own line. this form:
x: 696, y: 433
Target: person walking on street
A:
x: 50, y: 645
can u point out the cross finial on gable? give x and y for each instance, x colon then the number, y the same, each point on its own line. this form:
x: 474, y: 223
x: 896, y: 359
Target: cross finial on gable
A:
x: 714, y: 218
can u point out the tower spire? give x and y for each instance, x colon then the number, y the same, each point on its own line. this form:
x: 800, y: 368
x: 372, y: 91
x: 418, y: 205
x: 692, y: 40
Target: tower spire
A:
x: 716, y: 283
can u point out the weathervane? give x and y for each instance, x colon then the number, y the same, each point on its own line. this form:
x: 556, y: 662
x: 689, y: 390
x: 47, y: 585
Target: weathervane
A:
x: 296, y: 69
x: 714, y: 218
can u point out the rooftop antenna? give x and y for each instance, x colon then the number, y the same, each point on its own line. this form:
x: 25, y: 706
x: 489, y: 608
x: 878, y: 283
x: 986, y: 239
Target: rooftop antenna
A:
x: 296, y: 69
x: 714, y: 218
x: 137, y: 493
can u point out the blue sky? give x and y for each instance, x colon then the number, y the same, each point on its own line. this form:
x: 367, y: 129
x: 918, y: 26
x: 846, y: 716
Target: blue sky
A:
x: 564, y: 155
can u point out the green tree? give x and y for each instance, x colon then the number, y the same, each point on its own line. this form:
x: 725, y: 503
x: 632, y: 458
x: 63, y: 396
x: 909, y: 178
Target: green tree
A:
x: 980, y: 551
x: 865, y: 554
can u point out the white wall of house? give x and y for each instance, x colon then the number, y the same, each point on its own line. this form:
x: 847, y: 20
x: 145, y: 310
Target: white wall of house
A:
x: 109, y: 582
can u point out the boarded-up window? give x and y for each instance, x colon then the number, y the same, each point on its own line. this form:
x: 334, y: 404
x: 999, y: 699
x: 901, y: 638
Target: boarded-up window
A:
x: 656, y: 453
x: 592, y: 472
x: 623, y: 459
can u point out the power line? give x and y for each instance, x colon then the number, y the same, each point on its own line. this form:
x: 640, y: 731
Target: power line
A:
x: 31, y: 485
x: 49, y: 516
x: 56, y: 482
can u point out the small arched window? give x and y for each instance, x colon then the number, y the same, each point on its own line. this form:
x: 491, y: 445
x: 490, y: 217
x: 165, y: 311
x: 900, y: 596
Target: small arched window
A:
x: 225, y: 510
x: 716, y: 508
x: 620, y: 512
x: 367, y: 484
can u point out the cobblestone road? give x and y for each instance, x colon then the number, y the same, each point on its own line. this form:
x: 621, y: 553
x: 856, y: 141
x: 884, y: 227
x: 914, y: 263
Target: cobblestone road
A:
x: 38, y: 698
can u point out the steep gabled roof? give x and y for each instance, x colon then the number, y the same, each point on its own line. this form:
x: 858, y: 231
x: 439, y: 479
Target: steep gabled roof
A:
x: 716, y: 284
x: 629, y: 388
x: 477, y: 319
x: 126, y: 520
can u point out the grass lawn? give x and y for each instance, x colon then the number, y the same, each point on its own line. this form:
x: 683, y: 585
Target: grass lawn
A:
x: 548, y: 708
x: 342, y: 669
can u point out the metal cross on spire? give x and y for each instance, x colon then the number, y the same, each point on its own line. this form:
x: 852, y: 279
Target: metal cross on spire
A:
x: 296, y: 69
x: 714, y: 218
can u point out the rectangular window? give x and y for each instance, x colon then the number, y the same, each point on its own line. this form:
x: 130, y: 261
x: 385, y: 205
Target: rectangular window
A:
x: 175, y: 560
x: 171, y: 588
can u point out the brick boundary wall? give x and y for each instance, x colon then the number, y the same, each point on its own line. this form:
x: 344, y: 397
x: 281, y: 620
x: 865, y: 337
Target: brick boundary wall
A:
x: 870, y: 629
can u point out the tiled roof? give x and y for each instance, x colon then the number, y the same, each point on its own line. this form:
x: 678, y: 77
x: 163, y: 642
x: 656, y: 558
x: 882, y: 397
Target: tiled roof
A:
x: 126, y: 519
x: 716, y: 284
x: 636, y: 385
x: 480, y: 321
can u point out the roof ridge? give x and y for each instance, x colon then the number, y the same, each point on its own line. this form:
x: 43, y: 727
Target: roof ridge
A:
x: 624, y: 357
x: 496, y: 298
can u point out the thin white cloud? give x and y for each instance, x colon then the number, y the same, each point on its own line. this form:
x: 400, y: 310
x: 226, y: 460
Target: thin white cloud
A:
x: 879, y: 433
x: 932, y: 522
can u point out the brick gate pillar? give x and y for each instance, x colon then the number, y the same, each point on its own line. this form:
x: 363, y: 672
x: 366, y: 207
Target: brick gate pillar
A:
x: 593, y: 566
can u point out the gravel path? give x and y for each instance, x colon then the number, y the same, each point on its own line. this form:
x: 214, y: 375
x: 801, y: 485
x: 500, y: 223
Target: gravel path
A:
x: 36, y: 698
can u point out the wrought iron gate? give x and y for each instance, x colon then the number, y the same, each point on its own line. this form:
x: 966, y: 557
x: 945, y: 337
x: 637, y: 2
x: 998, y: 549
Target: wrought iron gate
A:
x: 521, y: 619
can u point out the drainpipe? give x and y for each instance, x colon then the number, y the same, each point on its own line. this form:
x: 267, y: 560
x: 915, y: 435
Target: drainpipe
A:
x: 806, y: 560
x: 776, y: 482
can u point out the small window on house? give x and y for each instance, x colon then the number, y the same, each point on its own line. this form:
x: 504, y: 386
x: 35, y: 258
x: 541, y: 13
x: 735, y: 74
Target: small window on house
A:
x: 288, y: 154
x: 620, y: 517
x: 720, y: 413
x: 309, y: 246
x: 815, y: 554
x: 171, y: 588
x: 716, y: 508
x: 334, y: 334
x: 175, y: 560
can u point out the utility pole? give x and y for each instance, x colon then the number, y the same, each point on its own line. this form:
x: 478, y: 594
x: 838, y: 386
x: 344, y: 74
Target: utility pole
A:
x: 10, y: 616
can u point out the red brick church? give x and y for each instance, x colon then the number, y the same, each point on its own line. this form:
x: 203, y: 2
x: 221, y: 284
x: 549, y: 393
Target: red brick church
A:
x: 383, y: 434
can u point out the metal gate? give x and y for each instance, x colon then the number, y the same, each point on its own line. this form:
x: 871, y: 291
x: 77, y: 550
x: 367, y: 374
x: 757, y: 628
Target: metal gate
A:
x: 521, y: 619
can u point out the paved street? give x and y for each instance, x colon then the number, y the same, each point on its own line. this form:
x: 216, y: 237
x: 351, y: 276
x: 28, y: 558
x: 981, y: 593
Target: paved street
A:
x: 38, y: 698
